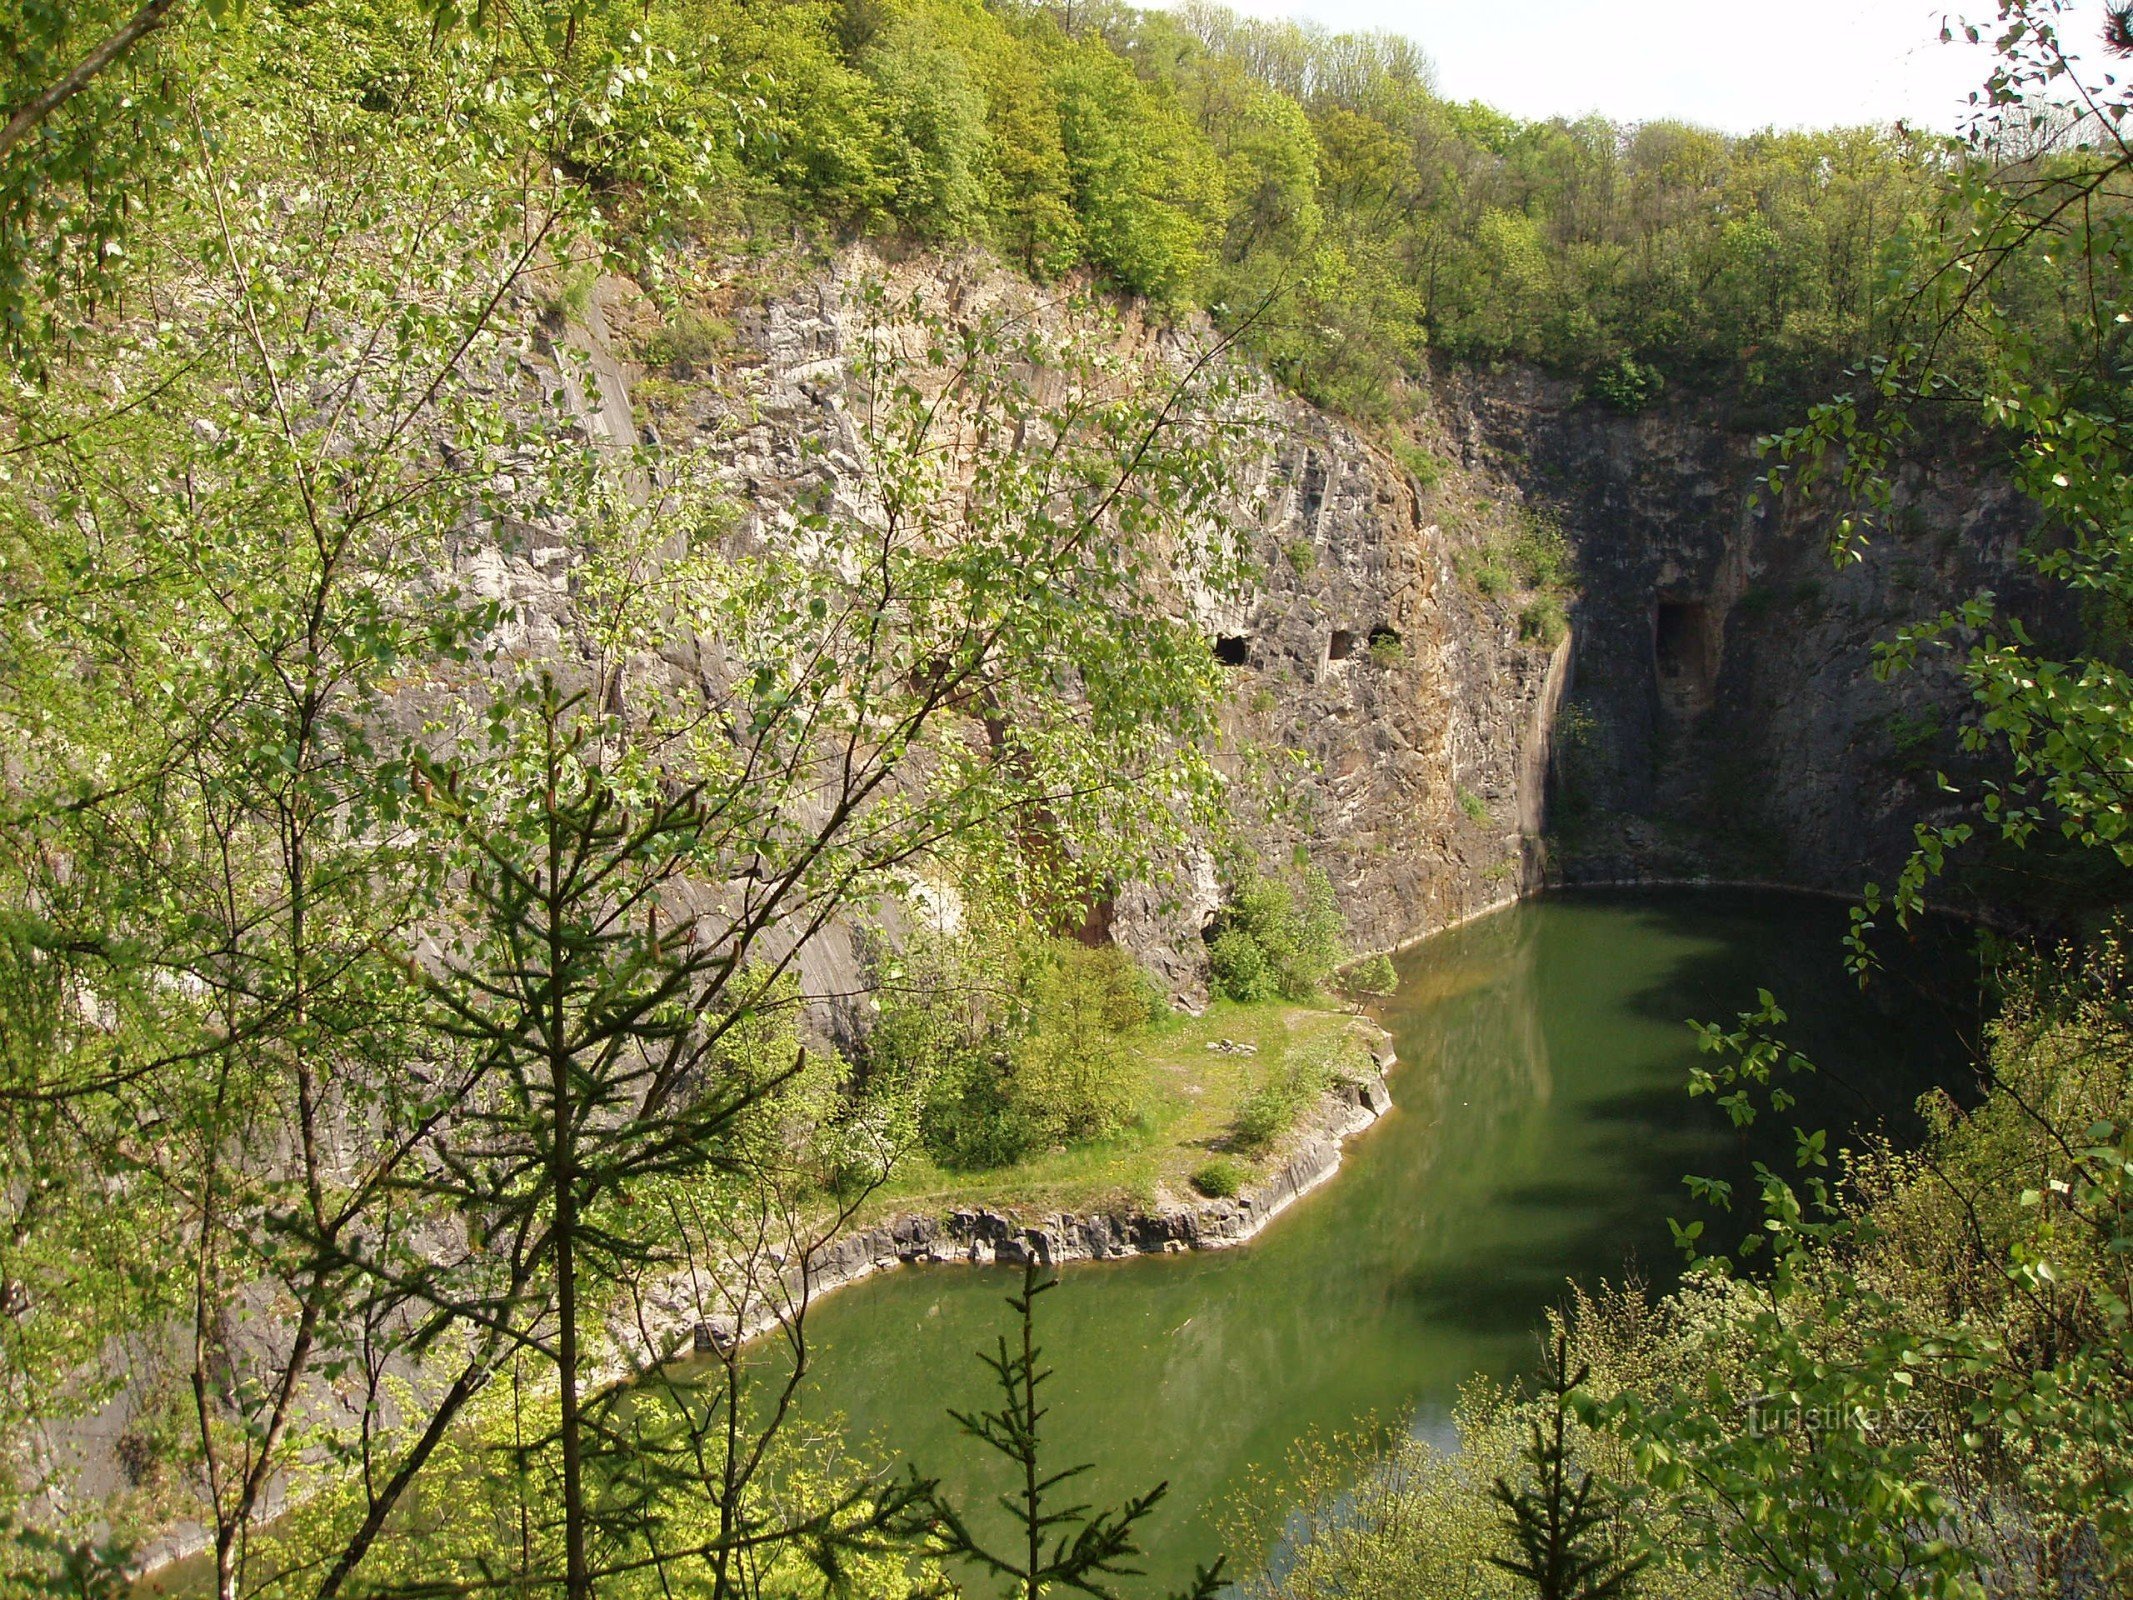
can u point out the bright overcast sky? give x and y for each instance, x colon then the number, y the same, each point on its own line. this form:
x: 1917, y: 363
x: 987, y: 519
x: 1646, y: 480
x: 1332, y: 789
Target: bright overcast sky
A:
x: 1733, y: 64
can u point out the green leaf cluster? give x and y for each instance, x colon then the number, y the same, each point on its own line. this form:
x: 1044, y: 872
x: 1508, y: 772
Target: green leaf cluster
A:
x: 1010, y: 1041
x: 1276, y: 937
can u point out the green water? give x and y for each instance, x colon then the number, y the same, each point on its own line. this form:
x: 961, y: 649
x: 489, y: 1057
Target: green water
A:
x: 1540, y: 1132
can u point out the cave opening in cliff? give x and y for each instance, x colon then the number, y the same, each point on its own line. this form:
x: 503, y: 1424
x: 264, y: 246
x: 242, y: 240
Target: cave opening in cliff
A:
x: 1681, y: 643
x: 1233, y: 650
x: 1343, y: 645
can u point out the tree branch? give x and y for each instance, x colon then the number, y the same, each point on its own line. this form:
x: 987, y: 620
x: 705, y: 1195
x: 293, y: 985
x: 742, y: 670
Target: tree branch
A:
x: 143, y: 22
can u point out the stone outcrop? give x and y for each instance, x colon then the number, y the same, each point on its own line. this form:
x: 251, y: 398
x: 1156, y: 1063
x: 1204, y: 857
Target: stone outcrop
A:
x: 1407, y: 718
x: 1713, y: 714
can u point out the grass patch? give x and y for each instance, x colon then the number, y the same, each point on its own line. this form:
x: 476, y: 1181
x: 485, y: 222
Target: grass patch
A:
x: 1417, y: 459
x: 1184, y: 1121
x: 1526, y: 557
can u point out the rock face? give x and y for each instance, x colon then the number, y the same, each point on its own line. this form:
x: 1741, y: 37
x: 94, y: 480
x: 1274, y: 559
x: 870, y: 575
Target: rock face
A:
x: 1713, y: 714
x: 1385, y: 720
x: 1723, y: 718
x: 1409, y: 722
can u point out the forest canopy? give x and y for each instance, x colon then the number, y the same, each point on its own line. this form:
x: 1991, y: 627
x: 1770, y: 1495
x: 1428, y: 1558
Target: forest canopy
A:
x: 1313, y: 188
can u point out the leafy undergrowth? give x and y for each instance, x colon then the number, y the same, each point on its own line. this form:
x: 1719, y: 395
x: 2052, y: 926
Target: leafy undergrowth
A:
x: 1187, y: 1114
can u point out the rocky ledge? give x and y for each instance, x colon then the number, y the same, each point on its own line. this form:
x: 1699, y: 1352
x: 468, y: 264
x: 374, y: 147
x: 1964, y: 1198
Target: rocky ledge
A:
x: 980, y: 1236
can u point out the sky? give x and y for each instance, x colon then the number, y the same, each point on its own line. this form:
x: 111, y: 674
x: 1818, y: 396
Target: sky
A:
x: 1732, y: 64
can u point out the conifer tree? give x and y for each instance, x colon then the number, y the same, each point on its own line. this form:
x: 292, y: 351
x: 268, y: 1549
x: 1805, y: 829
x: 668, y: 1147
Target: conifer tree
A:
x: 1063, y: 1547
x: 1561, y: 1520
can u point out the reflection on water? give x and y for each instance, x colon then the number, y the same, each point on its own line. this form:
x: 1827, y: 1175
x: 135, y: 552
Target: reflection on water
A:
x: 1541, y: 1131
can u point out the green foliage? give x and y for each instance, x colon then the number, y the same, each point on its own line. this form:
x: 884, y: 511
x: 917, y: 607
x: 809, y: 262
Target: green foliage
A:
x: 692, y: 341
x: 1311, y: 189
x: 1995, y: 339
x: 933, y: 118
x: 1387, y: 649
x: 1540, y: 554
x: 274, y: 824
x: 1565, y: 1526
x: 1294, y: 1081
x: 1373, y: 975
x: 1301, y: 556
x: 1476, y: 808
x: 630, y: 1057
x: 485, y: 1503
x: 1074, y: 1069
x: 1528, y: 556
x: 1220, y: 1179
x: 1909, y: 1374
x: 1144, y: 185
x: 1628, y: 385
x: 1417, y: 460
x: 41, y: 1567
x: 1270, y: 1111
x: 1010, y: 1041
x: 286, y: 796
x: 1544, y: 620
x: 1240, y: 967
x: 1490, y: 575
x: 1277, y: 938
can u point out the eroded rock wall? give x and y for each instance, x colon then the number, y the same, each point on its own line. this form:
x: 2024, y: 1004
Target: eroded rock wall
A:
x: 1383, y: 720
x: 1724, y: 719
x: 1714, y: 713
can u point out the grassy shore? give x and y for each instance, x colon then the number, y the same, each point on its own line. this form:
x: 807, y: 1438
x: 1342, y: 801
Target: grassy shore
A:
x: 1188, y: 1103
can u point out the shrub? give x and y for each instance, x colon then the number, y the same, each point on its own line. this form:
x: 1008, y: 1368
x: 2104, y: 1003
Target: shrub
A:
x: 1371, y: 975
x: 1240, y: 967
x: 1476, y: 808
x: 1629, y: 385
x: 568, y: 293
x: 1264, y: 1117
x: 972, y: 1120
x: 1220, y: 1179
x: 692, y: 341
x: 1533, y: 558
x: 1277, y: 939
x: 1005, y: 1041
x: 1301, y: 556
x: 1074, y: 1077
x: 1293, y: 1083
x: 1491, y: 576
x: 1386, y: 650
x: 660, y: 393
x: 1544, y: 620
x: 1540, y: 553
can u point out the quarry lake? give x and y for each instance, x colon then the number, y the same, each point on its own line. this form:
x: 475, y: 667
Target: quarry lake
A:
x: 1541, y: 1132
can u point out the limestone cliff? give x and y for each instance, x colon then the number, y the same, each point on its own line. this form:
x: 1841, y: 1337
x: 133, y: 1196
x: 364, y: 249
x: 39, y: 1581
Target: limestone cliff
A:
x: 1713, y: 713
x: 1724, y: 719
x: 1384, y: 720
